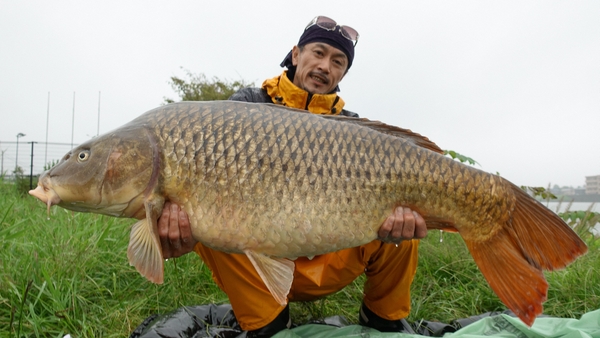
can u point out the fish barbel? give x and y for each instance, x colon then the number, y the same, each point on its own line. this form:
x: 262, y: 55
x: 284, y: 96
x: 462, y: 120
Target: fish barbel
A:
x: 277, y: 183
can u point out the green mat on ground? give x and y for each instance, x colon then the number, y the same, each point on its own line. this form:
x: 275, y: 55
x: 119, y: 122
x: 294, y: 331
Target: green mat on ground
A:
x: 498, y: 326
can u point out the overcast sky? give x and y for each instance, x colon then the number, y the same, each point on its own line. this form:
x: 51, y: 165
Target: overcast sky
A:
x: 513, y: 84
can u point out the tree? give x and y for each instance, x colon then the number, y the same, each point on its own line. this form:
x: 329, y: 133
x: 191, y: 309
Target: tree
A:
x: 197, y: 87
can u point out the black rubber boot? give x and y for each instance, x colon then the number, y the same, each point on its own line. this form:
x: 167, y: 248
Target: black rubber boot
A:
x: 366, y: 317
x: 281, y: 322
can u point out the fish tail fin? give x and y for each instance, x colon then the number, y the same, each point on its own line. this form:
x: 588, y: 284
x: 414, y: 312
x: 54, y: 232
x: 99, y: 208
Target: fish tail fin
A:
x: 546, y: 240
x: 521, y: 286
x: 512, y: 261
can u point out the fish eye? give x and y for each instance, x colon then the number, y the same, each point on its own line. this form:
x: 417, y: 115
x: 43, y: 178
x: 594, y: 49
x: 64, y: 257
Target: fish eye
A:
x: 83, y: 156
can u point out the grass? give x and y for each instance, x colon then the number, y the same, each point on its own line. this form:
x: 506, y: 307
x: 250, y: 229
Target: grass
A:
x: 69, y: 274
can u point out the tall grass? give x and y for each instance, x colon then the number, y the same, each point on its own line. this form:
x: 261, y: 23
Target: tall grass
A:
x: 69, y: 274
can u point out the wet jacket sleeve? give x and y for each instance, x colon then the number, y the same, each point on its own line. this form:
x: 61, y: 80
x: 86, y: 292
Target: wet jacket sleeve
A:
x: 256, y: 95
x: 348, y: 113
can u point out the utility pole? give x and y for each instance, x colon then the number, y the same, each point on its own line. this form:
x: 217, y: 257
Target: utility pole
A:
x: 47, y: 123
x: 2, y: 166
x: 73, y: 121
x: 19, y: 135
x: 31, y: 168
x: 98, y: 130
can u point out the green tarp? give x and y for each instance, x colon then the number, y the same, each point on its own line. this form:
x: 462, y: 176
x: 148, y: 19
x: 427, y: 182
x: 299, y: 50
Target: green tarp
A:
x: 497, y: 326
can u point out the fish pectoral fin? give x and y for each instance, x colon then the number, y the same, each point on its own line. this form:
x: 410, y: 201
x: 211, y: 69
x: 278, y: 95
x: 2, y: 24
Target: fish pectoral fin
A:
x: 277, y: 273
x: 144, y: 251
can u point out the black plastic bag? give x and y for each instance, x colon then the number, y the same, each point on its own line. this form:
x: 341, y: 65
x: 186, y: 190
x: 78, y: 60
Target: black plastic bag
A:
x: 219, y: 321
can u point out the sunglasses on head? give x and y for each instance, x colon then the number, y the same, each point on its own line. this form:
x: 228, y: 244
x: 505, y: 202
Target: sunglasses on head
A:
x: 330, y: 25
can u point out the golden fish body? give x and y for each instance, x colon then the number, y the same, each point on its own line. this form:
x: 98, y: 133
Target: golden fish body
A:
x: 288, y: 185
x: 278, y: 183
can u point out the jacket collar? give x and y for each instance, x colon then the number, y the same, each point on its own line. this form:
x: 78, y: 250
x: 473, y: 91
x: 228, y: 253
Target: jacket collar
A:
x: 284, y: 92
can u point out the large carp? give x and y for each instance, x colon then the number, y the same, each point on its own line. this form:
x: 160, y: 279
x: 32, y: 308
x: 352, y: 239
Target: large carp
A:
x: 278, y: 183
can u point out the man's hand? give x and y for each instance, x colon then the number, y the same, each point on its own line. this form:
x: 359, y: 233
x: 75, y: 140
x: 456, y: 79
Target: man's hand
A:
x: 175, y: 232
x: 403, y: 224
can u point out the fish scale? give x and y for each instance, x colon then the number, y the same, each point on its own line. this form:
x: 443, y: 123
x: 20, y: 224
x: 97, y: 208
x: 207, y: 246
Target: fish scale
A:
x: 276, y: 183
x: 295, y: 169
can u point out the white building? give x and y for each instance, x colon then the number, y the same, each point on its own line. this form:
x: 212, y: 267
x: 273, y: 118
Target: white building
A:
x: 592, y: 185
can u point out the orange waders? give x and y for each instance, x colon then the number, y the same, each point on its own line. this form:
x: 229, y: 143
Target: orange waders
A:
x: 389, y: 270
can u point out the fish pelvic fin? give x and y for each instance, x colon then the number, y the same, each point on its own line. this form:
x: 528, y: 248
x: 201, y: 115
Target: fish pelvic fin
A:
x: 277, y: 273
x: 144, y: 251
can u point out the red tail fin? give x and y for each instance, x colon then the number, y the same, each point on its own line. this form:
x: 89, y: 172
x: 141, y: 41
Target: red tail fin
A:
x: 512, y: 261
x: 546, y: 240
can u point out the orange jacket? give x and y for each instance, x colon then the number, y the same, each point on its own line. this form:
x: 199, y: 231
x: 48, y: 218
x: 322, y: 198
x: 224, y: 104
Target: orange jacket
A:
x: 285, y: 92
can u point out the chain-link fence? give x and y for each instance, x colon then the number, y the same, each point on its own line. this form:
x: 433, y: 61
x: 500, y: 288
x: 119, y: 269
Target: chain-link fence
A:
x: 29, y: 158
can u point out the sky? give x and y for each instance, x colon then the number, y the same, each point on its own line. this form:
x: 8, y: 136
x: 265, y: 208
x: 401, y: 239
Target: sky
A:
x: 515, y: 85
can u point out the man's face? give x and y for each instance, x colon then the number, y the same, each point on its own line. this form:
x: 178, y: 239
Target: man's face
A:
x: 319, y: 67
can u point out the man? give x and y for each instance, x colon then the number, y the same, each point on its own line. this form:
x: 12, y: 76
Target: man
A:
x: 315, y: 66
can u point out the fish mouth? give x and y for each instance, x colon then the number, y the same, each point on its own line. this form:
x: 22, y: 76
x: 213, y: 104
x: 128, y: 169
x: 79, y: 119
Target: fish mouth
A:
x: 46, y: 195
x: 50, y: 197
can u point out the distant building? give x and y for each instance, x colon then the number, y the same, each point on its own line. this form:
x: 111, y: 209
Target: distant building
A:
x: 592, y: 185
x: 567, y: 191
